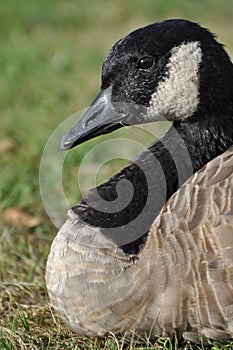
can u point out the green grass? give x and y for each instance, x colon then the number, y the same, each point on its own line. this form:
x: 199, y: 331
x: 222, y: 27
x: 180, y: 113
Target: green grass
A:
x: 50, y: 57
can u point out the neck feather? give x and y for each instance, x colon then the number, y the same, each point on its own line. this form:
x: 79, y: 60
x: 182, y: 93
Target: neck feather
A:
x: 183, y: 150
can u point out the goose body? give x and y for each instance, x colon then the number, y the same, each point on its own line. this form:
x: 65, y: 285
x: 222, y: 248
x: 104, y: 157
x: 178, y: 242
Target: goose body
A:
x: 164, y: 267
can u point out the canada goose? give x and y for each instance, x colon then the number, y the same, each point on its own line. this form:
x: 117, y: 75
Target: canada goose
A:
x: 178, y: 277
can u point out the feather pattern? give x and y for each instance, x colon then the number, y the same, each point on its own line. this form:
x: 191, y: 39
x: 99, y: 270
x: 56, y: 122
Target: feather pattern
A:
x: 182, y: 280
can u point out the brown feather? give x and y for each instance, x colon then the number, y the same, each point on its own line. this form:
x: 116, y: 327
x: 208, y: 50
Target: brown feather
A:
x: 182, y: 280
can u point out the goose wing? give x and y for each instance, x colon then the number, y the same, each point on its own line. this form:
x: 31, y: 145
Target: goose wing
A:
x: 194, y: 238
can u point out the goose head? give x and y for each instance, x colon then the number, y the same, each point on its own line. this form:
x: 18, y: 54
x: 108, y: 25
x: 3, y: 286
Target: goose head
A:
x: 173, y: 69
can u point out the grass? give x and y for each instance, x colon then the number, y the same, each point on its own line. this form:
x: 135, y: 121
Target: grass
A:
x: 50, y: 58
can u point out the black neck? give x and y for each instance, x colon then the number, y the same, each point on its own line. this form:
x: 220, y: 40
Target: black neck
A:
x: 183, y: 150
x: 206, y: 137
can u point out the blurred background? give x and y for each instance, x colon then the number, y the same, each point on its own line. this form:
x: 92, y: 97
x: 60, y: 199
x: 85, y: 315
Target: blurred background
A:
x: 51, y: 54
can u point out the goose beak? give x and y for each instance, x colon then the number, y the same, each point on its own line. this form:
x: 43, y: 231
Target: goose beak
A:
x: 102, y: 117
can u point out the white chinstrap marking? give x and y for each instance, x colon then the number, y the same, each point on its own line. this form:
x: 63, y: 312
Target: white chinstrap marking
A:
x: 177, y: 95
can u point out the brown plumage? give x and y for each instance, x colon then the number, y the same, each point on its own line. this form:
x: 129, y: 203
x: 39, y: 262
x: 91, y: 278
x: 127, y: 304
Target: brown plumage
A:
x: 181, y: 281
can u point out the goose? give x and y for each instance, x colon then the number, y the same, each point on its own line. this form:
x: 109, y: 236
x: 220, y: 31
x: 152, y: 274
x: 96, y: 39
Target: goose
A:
x: 166, y: 270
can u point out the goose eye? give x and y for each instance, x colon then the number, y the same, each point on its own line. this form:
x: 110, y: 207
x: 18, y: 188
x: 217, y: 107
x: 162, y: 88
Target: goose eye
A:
x: 145, y: 62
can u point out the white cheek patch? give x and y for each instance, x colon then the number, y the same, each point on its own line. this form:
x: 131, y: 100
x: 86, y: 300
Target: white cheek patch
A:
x: 177, y: 95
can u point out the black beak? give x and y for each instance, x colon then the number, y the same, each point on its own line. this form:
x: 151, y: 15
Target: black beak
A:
x: 102, y: 117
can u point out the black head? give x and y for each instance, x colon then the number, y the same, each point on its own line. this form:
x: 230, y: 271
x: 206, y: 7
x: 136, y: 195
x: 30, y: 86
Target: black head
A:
x: 172, y: 69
